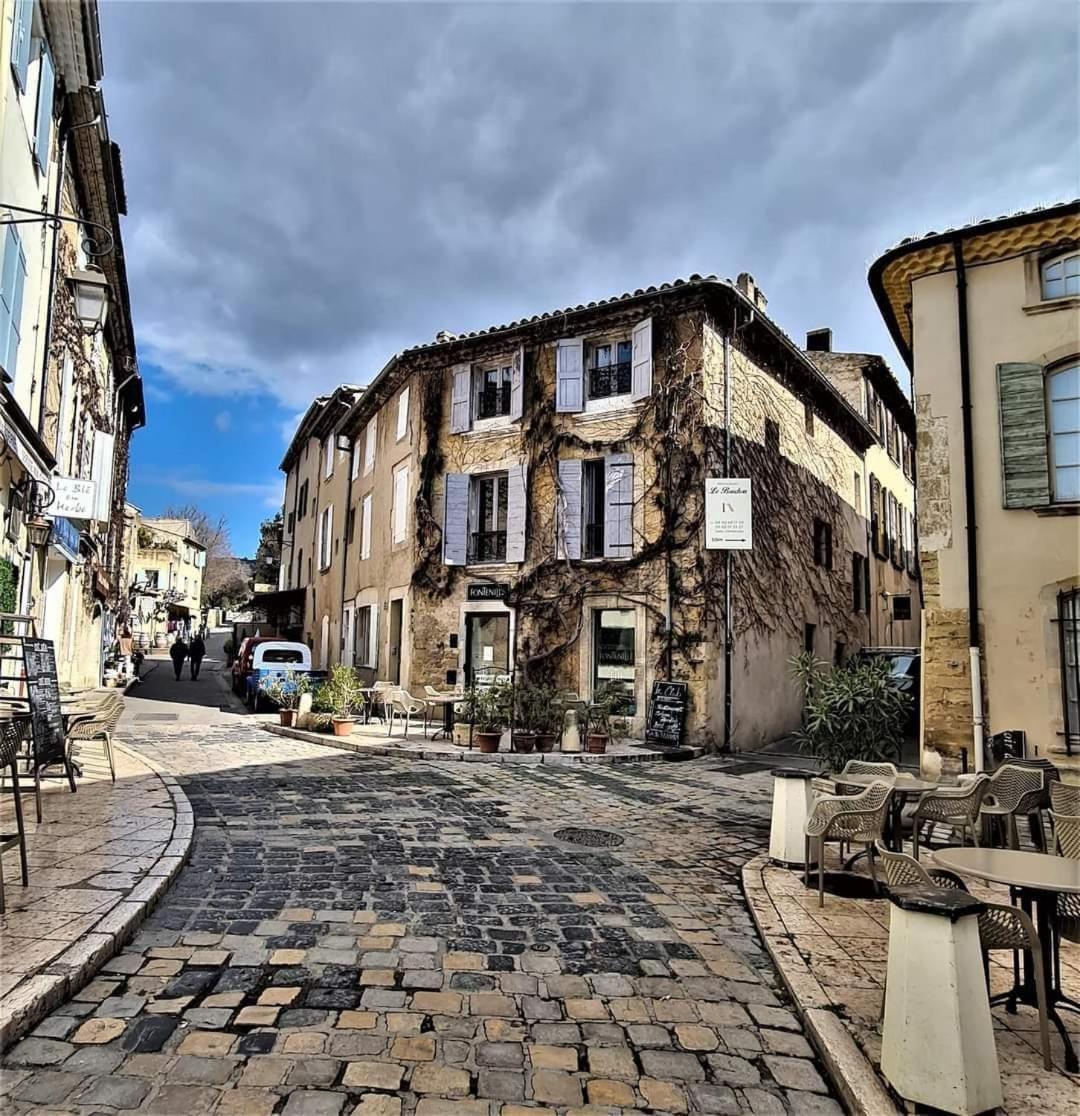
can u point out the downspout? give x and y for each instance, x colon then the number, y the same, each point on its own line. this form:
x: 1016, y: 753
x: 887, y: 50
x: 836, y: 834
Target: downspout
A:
x: 345, y: 552
x: 969, y: 506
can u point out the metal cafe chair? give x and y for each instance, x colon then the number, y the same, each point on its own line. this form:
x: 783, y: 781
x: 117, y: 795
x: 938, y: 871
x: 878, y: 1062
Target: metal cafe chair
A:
x: 1001, y: 926
x: 10, y: 739
x: 403, y: 705
x: 99, y: 726
x: 954, y: 807
x: 1064, y: 799
x: 1013, y: 792
x: 1067, y: 915
x: 856, y: 819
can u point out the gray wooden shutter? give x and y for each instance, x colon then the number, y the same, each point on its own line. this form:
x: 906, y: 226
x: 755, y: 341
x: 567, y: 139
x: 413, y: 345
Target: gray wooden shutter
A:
x: 456, y: 519
x: 570, y: 375
x: 517, y: 383
x: 568, y: 544
x: 618, y: 505
x: 515, y: 513
x: 1025, y: 468
x: 641, y: 382
x: 460, y: 392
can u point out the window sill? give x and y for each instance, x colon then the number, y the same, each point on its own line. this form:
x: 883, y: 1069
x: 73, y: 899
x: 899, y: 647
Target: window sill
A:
x: 1056, y: 510
x: 1048, y: 305
x: 613, y: 405
x: 491, y: 427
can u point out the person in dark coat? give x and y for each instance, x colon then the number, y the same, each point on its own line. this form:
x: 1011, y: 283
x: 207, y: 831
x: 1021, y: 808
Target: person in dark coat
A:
x: 196, y: 650
x: 178, y: 653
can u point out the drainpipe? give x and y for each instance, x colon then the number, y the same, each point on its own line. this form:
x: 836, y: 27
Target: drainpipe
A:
x: 345, y: 551
x: 969, y: 506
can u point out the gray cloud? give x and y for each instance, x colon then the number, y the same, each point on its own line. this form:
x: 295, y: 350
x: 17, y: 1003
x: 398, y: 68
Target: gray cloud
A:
x: 314, y: 186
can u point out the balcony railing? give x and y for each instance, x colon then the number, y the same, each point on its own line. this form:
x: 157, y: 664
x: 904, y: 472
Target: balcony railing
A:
x: 493, y: 401
x: 610, y: 379
x: 594, y: 540
x: 488, y: 546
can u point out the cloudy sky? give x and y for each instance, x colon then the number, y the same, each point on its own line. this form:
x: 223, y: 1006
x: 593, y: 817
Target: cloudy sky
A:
x: 314, y: 186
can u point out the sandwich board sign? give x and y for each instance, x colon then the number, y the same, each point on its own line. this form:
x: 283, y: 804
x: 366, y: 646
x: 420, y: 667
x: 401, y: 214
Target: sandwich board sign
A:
x: 728, y: 514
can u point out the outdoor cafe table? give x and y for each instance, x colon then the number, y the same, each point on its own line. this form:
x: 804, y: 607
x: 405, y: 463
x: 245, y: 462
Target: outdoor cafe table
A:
x: 1038, y: 879
x: 903, y: 787
x: 447, y: 701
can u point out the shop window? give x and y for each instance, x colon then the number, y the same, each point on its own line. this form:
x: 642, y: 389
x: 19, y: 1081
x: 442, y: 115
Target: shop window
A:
x: 615, y: 653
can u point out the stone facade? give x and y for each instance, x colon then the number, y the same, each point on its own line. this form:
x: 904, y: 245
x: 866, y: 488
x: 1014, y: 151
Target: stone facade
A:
x: 573, y: 550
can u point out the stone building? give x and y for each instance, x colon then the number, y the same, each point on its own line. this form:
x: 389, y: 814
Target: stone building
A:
x: 164, y: 575
x: 71, y: 395
x: 987, y: 317
x: 529, y: 500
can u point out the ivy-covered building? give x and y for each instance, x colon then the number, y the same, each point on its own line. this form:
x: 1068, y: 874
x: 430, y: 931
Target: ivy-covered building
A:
x: 529, y: 500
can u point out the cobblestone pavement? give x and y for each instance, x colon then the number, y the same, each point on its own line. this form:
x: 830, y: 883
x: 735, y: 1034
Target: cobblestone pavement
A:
x: 379, y: 936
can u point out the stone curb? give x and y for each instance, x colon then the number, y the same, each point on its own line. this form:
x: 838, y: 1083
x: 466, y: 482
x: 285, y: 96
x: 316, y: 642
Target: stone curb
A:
x: 31, y: 1001
x: 862, y: 1091
x: 463, y: 755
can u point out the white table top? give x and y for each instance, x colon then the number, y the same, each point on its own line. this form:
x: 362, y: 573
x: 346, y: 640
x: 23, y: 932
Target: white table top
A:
x: 1034, y: 870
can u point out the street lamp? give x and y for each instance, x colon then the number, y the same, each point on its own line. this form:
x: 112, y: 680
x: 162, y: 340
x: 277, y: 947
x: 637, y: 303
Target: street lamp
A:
x: 39, y: 531
x: 91, y: 291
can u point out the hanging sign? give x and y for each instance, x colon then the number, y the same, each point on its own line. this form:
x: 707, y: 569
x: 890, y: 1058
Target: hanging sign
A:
x: 728, y: 514
x: 74, y: 497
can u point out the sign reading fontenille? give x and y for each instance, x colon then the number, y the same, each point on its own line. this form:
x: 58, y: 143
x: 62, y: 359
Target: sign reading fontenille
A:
x: 728, y: 514
x: 486, y: 591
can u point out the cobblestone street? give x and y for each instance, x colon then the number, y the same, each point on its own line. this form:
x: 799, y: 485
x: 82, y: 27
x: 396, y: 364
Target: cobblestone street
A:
x: 381, y: 936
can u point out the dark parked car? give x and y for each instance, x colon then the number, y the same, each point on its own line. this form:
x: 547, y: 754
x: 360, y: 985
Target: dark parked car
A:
x: 905, y: 671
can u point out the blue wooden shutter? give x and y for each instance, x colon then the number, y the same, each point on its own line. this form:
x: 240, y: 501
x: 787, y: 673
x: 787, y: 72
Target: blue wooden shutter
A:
x: 456, y: 519
x: 20, y: 41
x: 618, y: 505
x: 460, y: 395
x: 570, y: 375
x: 569, y: 519
x: 1025, y: 466
x: 641, y: 380
x: 43, y: 127
x: 515, y: 513
x: 517, y: 384
x: 11, y: 297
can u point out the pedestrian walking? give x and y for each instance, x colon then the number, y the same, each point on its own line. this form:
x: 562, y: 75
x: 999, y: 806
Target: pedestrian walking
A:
x: 178, y: 653
x: 196, y: 651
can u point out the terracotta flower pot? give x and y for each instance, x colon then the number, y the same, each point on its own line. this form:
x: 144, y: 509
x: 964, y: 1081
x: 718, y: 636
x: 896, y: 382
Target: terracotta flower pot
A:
x: 487, y: 741
x: 287, y: 717
x: 342, y: 725
x: 596, y: 742
x: 524, y: 741
x: 546, y: 741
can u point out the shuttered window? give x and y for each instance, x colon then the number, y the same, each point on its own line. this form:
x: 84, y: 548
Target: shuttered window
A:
x: 1025, y: 472
x: 403, y: 413
x: 43, y: 122
x: 619, y: 506
x: 365, y: 527
x: 401, y: 504
x: 11, y: 299
x: 1063, y: 395
x: 326, y: 526
x: 456, y: 519
x: 370, y: 436
x: 570, y: 375
x: 20, y: 41
x: 569, y: 511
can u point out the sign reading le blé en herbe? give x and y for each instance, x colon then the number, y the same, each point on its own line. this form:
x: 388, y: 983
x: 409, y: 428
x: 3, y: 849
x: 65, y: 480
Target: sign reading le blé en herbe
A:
x: 728, y: 518
x: 74, y: 498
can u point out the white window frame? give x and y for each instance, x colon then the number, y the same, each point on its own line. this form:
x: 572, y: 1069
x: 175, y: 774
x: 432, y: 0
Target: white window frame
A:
x: 365, y: 527
x: 367, y: 651
x: 370, y: 439
x: 326, y: 542
x: 354, y: 471
x: 501, y: 477
x: 399, y: 515
x: 476, y: 376
x: 328, y: 457
x: 1063, y: 259
x: 403, y: 414
x: 617, y: 399
x: 1053, y: 435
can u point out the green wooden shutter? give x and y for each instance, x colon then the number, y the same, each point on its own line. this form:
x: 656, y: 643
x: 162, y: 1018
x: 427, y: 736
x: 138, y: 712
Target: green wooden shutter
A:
x: 1025, y: 471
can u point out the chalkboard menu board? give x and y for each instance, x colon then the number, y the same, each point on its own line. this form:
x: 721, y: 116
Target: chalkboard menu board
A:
x: 43, y: 690
x: 667, y: 713
x: 1010, y: 744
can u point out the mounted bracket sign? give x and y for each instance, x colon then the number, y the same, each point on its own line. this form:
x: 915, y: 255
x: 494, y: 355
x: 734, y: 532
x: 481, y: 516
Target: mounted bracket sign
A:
x: 75, y: 498
x: 487, y: 591
x: 728, y: 514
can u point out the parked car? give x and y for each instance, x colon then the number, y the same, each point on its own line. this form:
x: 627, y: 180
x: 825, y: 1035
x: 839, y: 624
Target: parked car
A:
x: 905, y: 672
x: 275, y: 658
x: 243, y: 662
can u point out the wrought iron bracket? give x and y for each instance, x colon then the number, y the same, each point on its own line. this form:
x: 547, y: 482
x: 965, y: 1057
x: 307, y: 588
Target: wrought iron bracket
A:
x: 92, y: 246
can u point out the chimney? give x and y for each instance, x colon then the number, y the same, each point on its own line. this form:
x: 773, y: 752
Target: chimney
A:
x: 443, y: 336
x: 819, y: 341
x: 745, y: 283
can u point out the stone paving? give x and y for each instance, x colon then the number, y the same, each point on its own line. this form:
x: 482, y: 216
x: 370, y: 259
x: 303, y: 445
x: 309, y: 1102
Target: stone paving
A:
x: 377, y: 936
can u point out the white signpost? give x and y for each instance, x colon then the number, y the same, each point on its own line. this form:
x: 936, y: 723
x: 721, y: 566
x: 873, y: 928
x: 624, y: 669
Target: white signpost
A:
x: 74, y: 497
x: 728, y: 517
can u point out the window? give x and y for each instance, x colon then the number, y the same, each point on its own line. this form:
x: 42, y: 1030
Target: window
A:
x: 596, y: 508
x: 487, y: 518
x: 20, y: 41
x: 365, y: 635
x: 856, y: 484
x: 809, y: 635
x: 860, y: 582
x: 1061, y: 276
x: 365, y: 527
x: 43, y: 120
x: 292, y: 523
x: 610, y: 369
x: 326, y: 523
x: 355, y: 459
x: 1069, y: 639
x: 491, y: 391
x: 822, y: 544
x: 1063, y: 391
x: 11, y: 298
x: 151, y: 578
x: 403, y: 413
x: 592, y: 478
x: 350, y: 525
x: 300, y: 566
x: 328, y: 456
x: 614, y: 654
x: 808, y: 419
x: 301, y: 501
x: 401, y: 504
x: 369, y: 443
x: 839, y: 648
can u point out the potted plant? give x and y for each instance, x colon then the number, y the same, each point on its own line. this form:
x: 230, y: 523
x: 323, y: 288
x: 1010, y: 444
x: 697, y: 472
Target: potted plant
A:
x: 285, y: 690
x: 548, y: 718
x: 607, y: 697
x: 341, y: 696
x: 528, y: 716
x: 492, y: 715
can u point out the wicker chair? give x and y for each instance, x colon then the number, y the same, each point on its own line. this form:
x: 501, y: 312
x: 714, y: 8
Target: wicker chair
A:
x: 1064, y: 798
x: 1067, y: 917
x: 99, y: 726
x: 834, y: 784
x: 1013, y: 792
x: 852, y: 819
x: 1000, y: 926
x: 956, y: 807
x: 10, y: 739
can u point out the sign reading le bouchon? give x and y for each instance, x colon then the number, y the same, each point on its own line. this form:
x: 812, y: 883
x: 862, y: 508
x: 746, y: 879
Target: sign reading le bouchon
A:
x: 487, y: 591
x: 74, y: 498
x: 728, y: 514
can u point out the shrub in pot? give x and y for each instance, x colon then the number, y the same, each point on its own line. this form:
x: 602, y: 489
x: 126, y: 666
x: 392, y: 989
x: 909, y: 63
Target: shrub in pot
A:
x: 531, y: 716
x: 341, y: 696
x: 548, y: 718
x: 492, y: 715
x: 285, y: 690
x: 606, y: 699
x: 850, y: 712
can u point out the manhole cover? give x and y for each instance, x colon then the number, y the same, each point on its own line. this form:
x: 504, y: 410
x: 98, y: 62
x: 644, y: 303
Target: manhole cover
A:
x: 540, y: 947
x: 592, y: 838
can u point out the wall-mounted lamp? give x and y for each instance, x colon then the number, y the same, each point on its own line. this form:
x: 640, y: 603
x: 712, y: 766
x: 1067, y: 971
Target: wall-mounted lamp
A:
x: 39, y: 531
x: 91, y: 291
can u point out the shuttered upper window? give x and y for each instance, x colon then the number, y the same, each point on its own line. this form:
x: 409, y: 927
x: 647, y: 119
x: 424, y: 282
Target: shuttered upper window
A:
x: 596, y: 508
x: 11, y: 299
x: 1063, y: 402
x: 1061, y: 276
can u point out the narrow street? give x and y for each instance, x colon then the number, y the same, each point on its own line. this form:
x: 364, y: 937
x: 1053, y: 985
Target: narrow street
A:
x: 395, y: 936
